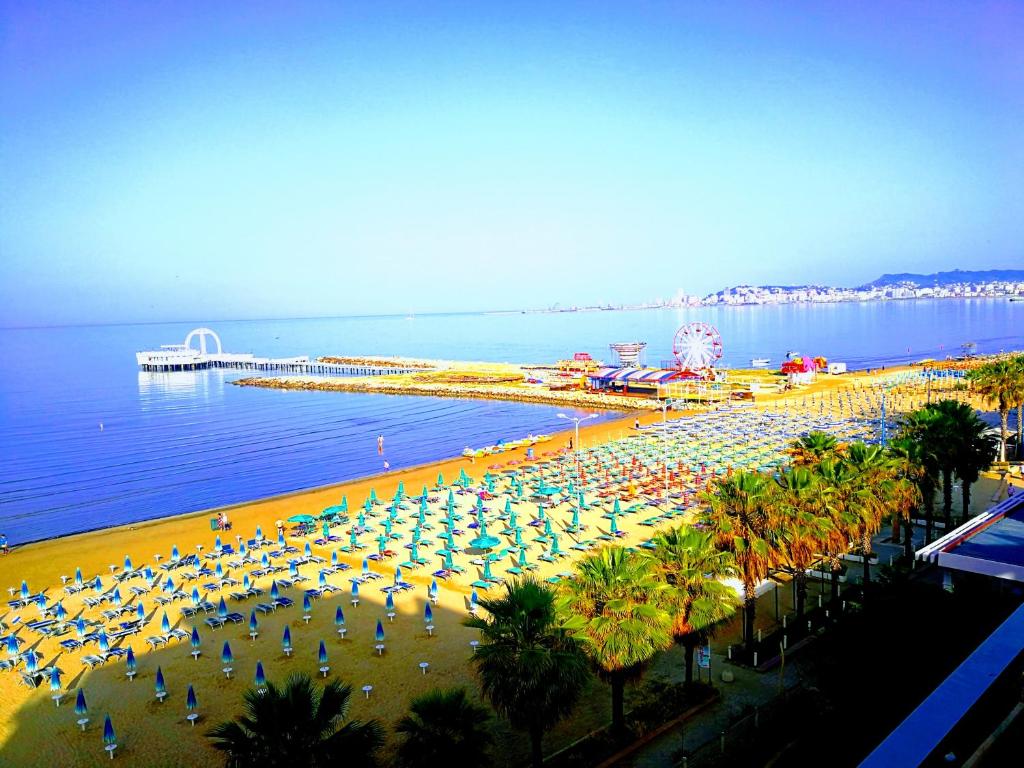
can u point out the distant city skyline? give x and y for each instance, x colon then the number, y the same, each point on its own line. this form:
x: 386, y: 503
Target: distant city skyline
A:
x: 180, y: 161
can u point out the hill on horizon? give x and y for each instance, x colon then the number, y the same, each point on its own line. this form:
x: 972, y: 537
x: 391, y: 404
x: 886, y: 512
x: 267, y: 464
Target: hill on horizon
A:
x: 948, y: 278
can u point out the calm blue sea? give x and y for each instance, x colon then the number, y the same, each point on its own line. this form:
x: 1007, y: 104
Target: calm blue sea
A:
x: 174, y: 443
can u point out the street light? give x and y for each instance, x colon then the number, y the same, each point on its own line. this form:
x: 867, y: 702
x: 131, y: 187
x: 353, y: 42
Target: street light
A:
x: 576, y: 420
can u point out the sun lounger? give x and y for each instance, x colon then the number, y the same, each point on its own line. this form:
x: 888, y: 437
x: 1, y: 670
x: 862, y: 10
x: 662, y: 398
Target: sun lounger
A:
x: 214, y: 622
x: 71, y: 644
x: 235, y: 618
x: 265, y: 607
x: 284, y: 602
x: 178, y: 634
x: 156, y: 640
x: 93, y: 660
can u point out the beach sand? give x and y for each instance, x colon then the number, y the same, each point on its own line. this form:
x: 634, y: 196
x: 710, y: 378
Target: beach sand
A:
x: 34, y: 731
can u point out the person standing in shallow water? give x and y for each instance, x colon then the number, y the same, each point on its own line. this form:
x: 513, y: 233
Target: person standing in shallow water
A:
x: 380, y: 444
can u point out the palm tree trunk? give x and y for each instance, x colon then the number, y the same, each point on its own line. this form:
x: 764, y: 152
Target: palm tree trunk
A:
x: 965, y: 499
x: 865, y: 547
x: 536, y: 750
x: 947, y: 498
x: 618, y: 701
x: 801, y: 593
x: 689, y: 644
x: 1004, y: 431
x: 749, y: 614
x: 908, y: 542
x: 895, y: 527
x: 1020, y: 430
x: 834, y: 586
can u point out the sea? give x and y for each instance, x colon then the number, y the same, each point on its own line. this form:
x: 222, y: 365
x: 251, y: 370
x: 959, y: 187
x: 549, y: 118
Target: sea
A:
x: 88, y: 441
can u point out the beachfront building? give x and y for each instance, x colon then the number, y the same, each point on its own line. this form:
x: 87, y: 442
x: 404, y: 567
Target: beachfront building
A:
x: 639, y: 382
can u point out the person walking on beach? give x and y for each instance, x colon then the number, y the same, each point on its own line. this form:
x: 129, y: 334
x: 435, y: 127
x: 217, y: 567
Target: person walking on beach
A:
x: 380, y: 444
x: 387, y: 466
x: 636, y: 424
x: 3, y: 543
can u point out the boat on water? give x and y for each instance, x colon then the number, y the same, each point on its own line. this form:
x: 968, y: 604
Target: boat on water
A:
x: 503, y: 446
x: 1017, y: 298
x: 760, y: 362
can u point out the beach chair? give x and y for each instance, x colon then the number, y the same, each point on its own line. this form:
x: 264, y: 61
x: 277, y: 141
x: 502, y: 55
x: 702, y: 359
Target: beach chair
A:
x: 92, y: 660
x: 265, y: 607
x: 178, y: 634
x: 235, y: 618
x: 214, y: 622
x: 284, y: 602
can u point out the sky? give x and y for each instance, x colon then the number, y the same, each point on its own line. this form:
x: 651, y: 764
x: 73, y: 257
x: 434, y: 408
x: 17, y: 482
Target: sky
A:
x: 192, y: 161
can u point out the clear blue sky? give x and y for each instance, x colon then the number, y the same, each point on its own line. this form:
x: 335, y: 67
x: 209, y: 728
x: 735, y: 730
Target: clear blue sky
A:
x: 173, y: 160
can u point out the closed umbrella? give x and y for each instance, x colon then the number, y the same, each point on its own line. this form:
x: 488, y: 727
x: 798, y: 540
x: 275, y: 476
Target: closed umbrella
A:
x: 97, y: 584
x: 169, y: 585
x: 222, y: 608
x: 308, y: 550
x: 80, y: 627
x: 190, y: 704
x: 130, y: 664
x: 293, y: 569
x: 473, y: 599
x: 398, y: 574
x: 194, y: 640
x: 275, y: 592
x: 128, y: 563
x: 259, y: 532
x: 265, y: 560
x: 140, y: 611
x: 428, y: 613
x: 389, y: 603
x: 433, y: 590
x: 81, y: 709
x: 261, y: 678
x: 12, y: 645
x: 24, y: 590
x: 253, y: 625
x: 286, y: 640
x: 78, y: 577
x: 307, y: 604
x: 175, y: 555
x: 322, y: 653
x: 109, y: 739
x: 321, y: 579
x: 31, y: 663
x: 160, y: 685
x: 245, y: 582
x: 104, y: 643
x: 344, y: 504
x: 55, y: 681
x: 339, y: 617
x: 165, y: 624
x: 195, y: 595
x: 61, y: 614
x: 334, y: 557
x: 379, y: 634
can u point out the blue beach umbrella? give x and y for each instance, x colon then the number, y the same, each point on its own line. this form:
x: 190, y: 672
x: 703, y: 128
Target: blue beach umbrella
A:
x: 554, y: 545
x: 433, y: 590
x: 322, y: 580
x: 128, y: 563
x: 519, y: 537
x: 344, y: 504
x: 334, y: 557
x: 148, y: 573
x: 308, y: 550
x: 194, y: 639
x: 522, y: 558
x: 217, y: 545
x: 159, y: 685
x: 616, y: 508
x: 175, y: 555
x: 108, y: 732
x: 129, y: 660
x: 275, y: 592
x: 41, y: 603
x: 448, y: 564
x: 97, y: 584
x: 80, y: 627
x: 54, y: 679
x: 339, y: 617
x: 226, y: 657
x: 140, y: 611
x: 307, y: 605
x: 414, y: 554
x: 246, y: 582
x: 115, y: 597
x: 615, y: 525
x: 280, y: 538
x: 195, y: 595
x: 104, y: 642
x: 190, y: 699
x: 293, y: 569
x: 286, y: 638
x: 326, y: 530
x: 222, y: 608
x: 242, y: 549
x: 387, y: 528
x: 508, y: 506
x: 389, y: 602
x: 218, y: 571
x: 366, y: 565
x: 24, y: 590
x: 379, y: 635
x: 12, y: 645
x: 31, y: 663
x: 165, y: 624
x: 361, y: 520
x: 473, y: 599
x: 253, y: 624
x: 261, y: 678
x: 265, y: 560
x: 322, y: 653
x: 428, y: 613
x: 61, y: 614
x: 259, y: 532
x: 169, y: 585
x: 81, y: 709
x: 487, y: 569
x: 398, y: 574
x: 355, y: 589
x: 78, y: 577
x: 575, y: 518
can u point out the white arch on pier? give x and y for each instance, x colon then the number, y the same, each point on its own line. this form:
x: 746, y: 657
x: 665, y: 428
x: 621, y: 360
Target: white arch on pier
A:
x: 202, y: 333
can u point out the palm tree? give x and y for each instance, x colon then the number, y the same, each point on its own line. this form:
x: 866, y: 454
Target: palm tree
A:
x: 530, y: 670
x: 299, y: 724
x: 904, y: 454
x: 975, y: 456
x: 613, y: 606
x: 804, y: 529
x: 1000, y: 382
x: 872, y: 477
x: 838, y: 502
x: 923, y: 428
x: 693, y: 567
x: 1018, y: 364
x: 444, y: 727
x: 740, y: 510
x: 964, y: 448
x: 813, y: 447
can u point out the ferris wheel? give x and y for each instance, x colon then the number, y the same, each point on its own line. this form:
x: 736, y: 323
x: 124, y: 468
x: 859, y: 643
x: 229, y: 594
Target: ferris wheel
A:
x: 697, y: 346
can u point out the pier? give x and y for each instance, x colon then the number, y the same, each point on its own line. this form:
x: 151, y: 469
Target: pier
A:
x: 185, y: 357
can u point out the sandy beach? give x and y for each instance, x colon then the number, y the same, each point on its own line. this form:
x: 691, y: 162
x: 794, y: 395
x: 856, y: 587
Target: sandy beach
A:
x: 33, y: 730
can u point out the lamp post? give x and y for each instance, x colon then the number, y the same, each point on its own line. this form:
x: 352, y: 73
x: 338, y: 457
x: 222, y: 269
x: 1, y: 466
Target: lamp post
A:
x: 576, y: 420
